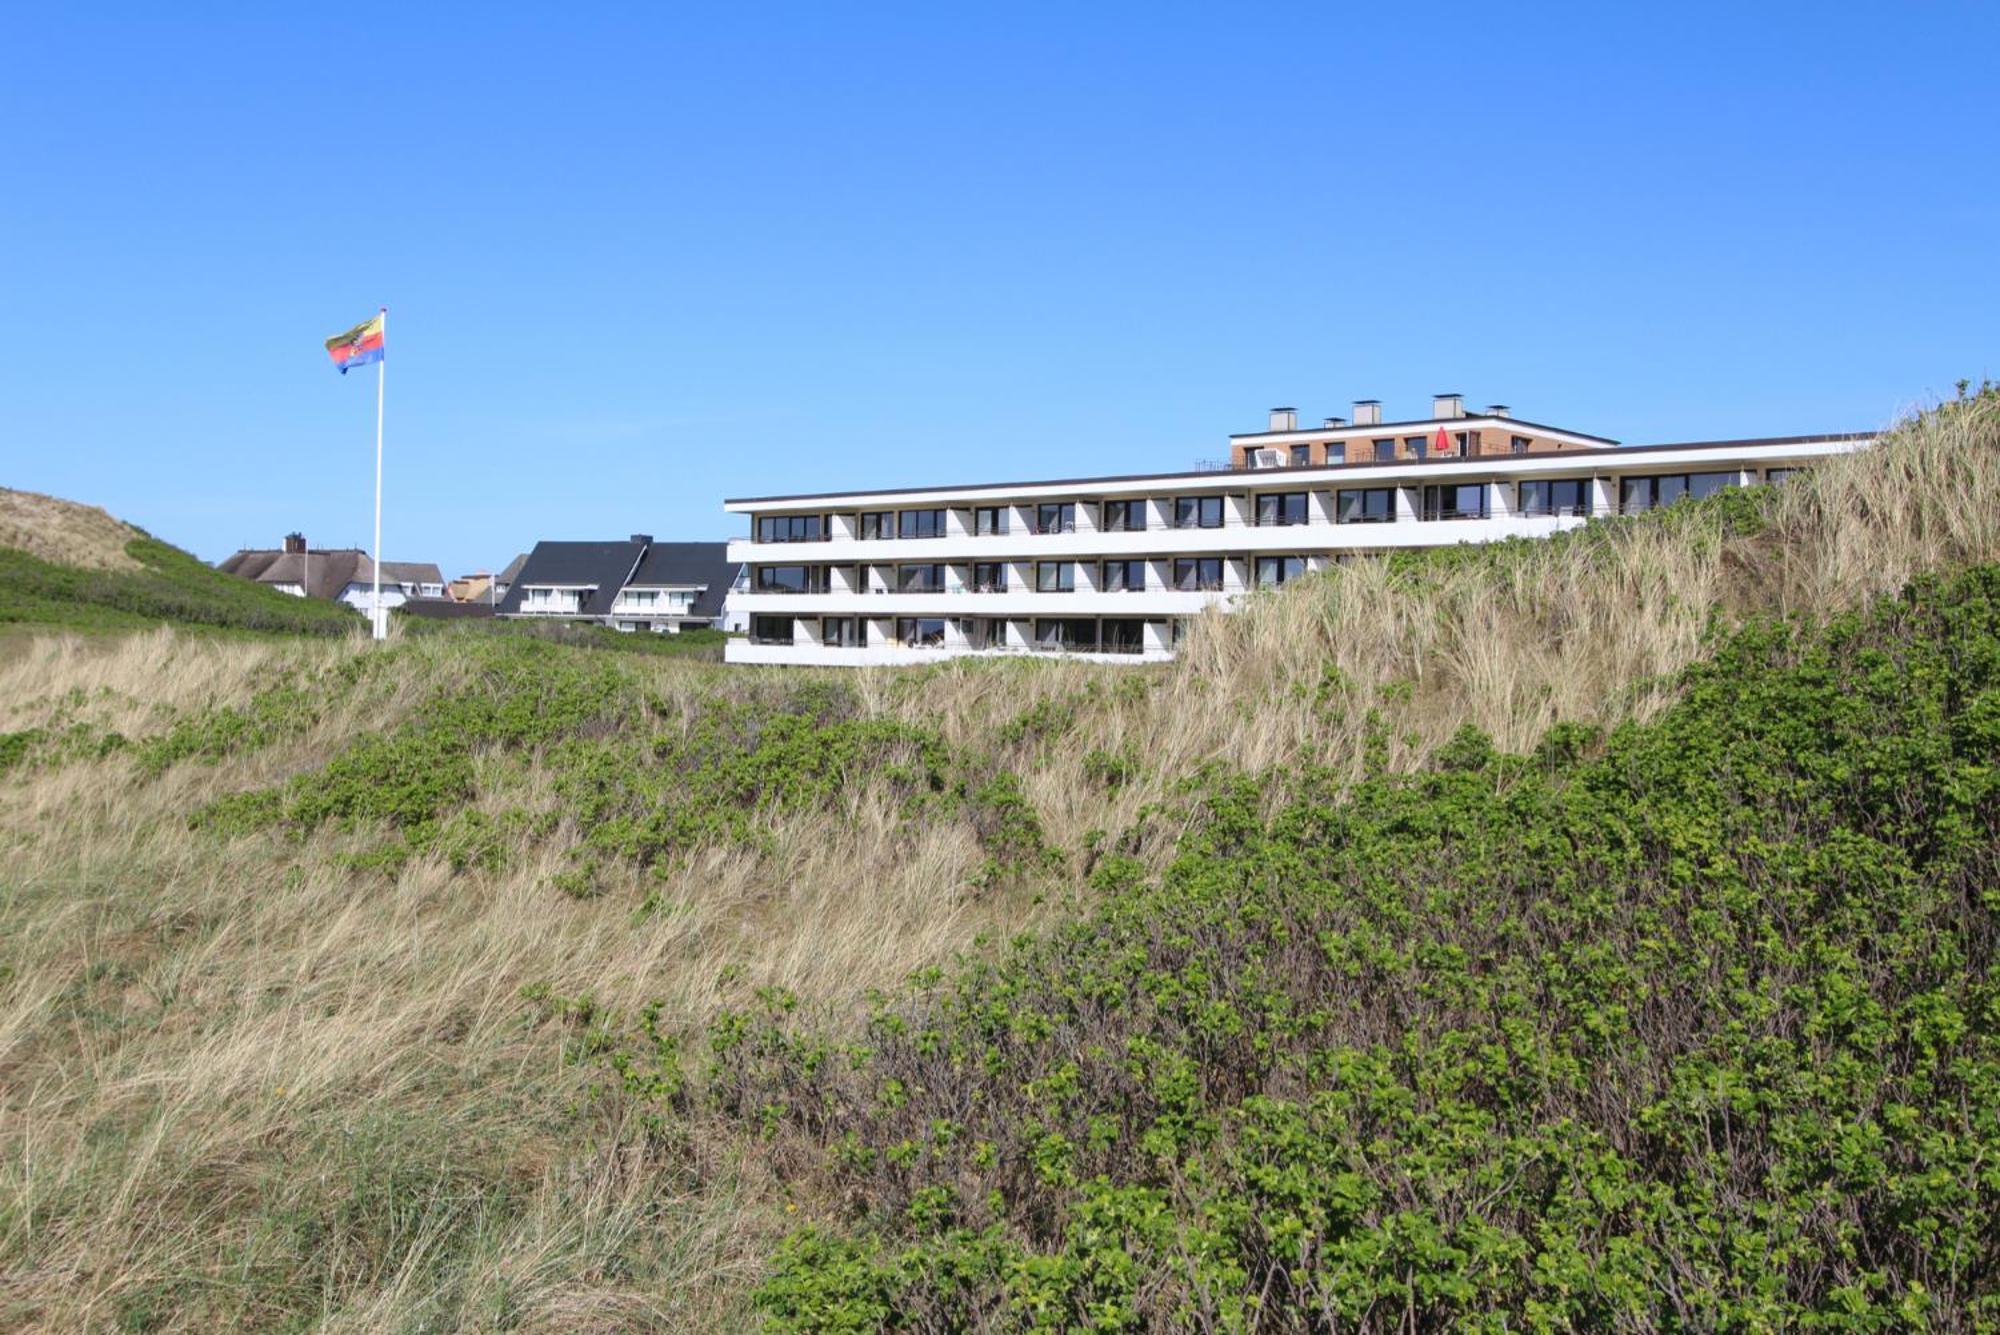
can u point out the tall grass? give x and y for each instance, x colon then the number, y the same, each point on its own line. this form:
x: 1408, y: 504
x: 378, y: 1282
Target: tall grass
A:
x: 244, y: 1082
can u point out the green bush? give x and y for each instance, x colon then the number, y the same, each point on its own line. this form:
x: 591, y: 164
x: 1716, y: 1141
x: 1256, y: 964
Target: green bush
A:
x: 1694, y: 1026
x: 171, y: 585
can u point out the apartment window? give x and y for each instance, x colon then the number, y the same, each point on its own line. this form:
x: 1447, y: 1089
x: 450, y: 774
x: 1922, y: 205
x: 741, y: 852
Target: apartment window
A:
x: 1517, y: 444
x: 1198, y: 512
x: 792, y: 528
x: 1124, y: 576
x: 920, y: 524
x: 1463, y: 500
x: 1365, y: 505
x: 1556, y: 496
x: 640, y: 597
x: 1055, y: 576
x: 1636, y: 494
x: 791, y: 579
x: 920, y: 632
x: 1275, y: 570
x: 1418, y: 446
x: 1055, y: 517
x: 1121, y: 635
x: 927, y: 578
x: 1385, y: 451
x: 1781, y: 474
x: 1076, y: 634
x: 843, y: 632
x: 770, y: 630
x: 1282, y: 509
x: 875, y: 524
x: 1302, y: 456
x: 1124, y: 516
x: 989, y: 577
x: 989, y: 521
x: 1198, y: 573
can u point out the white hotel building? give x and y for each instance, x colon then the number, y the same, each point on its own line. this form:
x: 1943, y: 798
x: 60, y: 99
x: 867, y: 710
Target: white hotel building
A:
x: 1112, y: 568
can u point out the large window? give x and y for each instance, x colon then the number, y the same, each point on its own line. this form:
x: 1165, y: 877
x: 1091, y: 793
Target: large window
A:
x: 989, y: 577
x: 1198, y: 512
x: 843, y: 632
x: 926, y: 578
x: 1418, y: 446
x: 989, y: 521
x: 1055, y: 517
x: 1124, y: 576
x: 792, y: 528
x: 1457, y: 500
x: 1365, y: 505
x: 1124, y: 516
x: 1781, y: 474
x: 1385, y: 451
x: 1302, y: 456
x: 1078, y: 634
x: 1281, y: 509
x: 1198, y: 573
x: 920, y: 524
x: 1556, y: 496
x: 1275, y: 570
x: 876, y: 524
x: 920, y: 632
x: 1646, y: 493
x: 770, y: 630
x: 1517, y: 444
x: 1055, y: 576
x: 791, y: 579
x: 1121, y: 635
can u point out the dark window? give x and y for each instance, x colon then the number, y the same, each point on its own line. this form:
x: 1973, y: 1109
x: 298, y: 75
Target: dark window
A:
x: 1385, y: 451
x: 989, y: 577
x: 1517, y: 444
x: 1302, y: 456
x: 875, y: 524
x: 1124, y: 516
x: 1124, y: 576
x: 1198, y: 573
x: 920, y: 524
x: 920, y: 632
x: 1636, y: 494
x: 791, y: 528
x: 1781, y: 474
x: 842, y: 632
x: 989, y: 520
x: 1366, y: 505
x: 1072, y: 633
x: 1121, y: 636
x: 770, y: 630
x: 1282, y: 509
x: 1461, y: 500
x: 1055, y: 517
x: 1055, y: 576
x: 791, y: 579
x: 1198, y: 512
x: 1418, y: 446
x: 928, y: 578
x: 1556, y: 496
x: 1275, y: 570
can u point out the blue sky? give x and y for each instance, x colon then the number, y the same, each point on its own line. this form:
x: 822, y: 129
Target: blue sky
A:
x: 641, y: 258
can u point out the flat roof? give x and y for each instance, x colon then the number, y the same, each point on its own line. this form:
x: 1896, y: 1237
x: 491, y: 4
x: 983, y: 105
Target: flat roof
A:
x: 1353, y: 428
x: 1583, y: 457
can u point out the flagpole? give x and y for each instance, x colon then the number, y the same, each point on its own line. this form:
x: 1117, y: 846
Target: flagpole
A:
x: 381, y: 375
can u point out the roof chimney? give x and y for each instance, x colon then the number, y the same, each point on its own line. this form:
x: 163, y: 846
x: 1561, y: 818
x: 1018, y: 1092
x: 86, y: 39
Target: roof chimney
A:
x: 295, y: 544
x: 1498, y: 410
x: 1368, y: 412
x: 1447, y: 405
x: 1284, y: 419
x: 1335, y: 421
x: 643, y: 539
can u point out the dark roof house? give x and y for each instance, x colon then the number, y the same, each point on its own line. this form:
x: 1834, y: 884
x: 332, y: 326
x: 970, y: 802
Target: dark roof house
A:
x: 620, y: 583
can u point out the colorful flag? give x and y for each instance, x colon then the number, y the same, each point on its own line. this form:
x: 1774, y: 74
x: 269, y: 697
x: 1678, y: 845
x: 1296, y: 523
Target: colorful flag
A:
x: 358, y: 346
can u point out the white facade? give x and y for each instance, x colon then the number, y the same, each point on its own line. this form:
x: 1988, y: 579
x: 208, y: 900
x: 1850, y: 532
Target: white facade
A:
x: 1112, y: 568
x: 660, y: 608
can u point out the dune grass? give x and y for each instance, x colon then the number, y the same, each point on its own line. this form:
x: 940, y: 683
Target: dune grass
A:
x: 345, y: 1067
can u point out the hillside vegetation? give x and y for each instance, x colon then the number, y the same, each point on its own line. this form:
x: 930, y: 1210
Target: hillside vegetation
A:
x: 1573, y: 934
